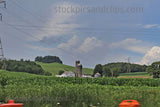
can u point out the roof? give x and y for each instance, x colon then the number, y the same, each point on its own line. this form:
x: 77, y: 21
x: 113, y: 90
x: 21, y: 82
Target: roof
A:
x: 67, y: 72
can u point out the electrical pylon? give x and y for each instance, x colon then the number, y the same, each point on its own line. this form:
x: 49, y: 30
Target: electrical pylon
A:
x: 128, y: 66
x: 2, y: 58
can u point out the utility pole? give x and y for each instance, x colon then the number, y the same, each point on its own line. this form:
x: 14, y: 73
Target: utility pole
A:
x: 128, y: 66
x: 2, y: 58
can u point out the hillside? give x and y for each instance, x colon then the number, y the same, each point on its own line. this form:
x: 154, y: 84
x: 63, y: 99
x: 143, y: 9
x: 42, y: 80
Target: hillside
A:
x: 13, y: 74
x: 54, y: 68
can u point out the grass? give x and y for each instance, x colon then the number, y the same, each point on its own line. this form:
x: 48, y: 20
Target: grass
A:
x: 18, y: 74
x: 54, y: 68
x: 134, y: 75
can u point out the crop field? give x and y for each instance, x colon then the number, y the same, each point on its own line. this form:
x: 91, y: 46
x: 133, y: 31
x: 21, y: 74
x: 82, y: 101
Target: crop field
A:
x: 43, y: 91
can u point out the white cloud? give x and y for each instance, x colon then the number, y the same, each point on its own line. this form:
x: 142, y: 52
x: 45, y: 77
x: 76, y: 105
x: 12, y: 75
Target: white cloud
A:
x: 79, y: 46
x: 151, y: 56
x: 150, y: 25
x: 131, y: 44
x: 71, y: 44
x: 74, y: 45
x: 89, y: 44
x: 59, y: 23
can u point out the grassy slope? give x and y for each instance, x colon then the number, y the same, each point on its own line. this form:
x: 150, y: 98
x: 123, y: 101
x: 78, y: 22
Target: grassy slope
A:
x: 54, y: 68
x: 17, y: 74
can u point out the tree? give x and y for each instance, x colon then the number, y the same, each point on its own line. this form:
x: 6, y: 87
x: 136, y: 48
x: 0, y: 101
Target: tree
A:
x: 60, y: 72
x: 124, y: 66
x: 115, y: 72
x: 154, y: 69
x: 24, y: 66
x: 39, y: 58
x: 98, y: 69
x: 48, y: 59
x: 107, y: 72
x: 110, y: 72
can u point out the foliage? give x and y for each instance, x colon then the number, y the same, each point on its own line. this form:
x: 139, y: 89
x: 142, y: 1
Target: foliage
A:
x: 48, y: 59
x: 107, y: 72
x: 115, y: 72
x: 47, y: 73
x: 110, y: 72
x: 61, y: 72
x: 98, y: 69
x: 124, y: 66
x: 24, y: 66
x: 154, y: 69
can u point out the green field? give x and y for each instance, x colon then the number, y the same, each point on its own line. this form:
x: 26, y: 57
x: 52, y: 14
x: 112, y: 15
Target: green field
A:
x: 42, y: 91
x: 54, y: 68
x: 134, y: 74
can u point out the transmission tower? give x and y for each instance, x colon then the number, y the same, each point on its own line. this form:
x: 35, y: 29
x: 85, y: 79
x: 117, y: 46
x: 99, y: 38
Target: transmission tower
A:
x: 128, y: 66
x: 2, y: 58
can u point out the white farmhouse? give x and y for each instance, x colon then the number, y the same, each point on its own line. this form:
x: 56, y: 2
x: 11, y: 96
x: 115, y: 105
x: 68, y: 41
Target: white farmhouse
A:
x: 97, y: 75
x: 67, y: 74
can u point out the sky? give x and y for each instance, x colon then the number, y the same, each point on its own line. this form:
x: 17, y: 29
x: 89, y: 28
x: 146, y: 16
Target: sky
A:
x: 92, y: 31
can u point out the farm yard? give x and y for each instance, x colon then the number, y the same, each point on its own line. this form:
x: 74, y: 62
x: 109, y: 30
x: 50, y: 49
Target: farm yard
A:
x: 48, y: 91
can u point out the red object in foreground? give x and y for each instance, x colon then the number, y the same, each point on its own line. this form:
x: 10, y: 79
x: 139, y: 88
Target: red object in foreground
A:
x: 129, y: 103
x: 11, y: 104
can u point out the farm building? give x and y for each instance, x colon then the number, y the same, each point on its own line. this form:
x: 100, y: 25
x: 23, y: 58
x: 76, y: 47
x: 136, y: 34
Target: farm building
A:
x: 67, y: 74
x: 97, y: 75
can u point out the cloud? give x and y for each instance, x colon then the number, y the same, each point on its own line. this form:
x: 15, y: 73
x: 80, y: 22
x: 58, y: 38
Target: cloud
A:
x: 58, y: 23
x: 53, y: 40
x: 151, y: 56
x: 150, y: 26
x: 72, y: 44
x: 44, y: 49
x: 77, y: 45
x: 131, y: 44
x: 89, y: 44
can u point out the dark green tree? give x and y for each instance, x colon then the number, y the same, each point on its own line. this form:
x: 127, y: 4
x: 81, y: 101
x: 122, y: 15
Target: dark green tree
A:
x: 115, y: 72
x: 60, y: 72
x: 154, y: 69
x: 107, y: 72
x: 98, y: 69
x: 48, y: 59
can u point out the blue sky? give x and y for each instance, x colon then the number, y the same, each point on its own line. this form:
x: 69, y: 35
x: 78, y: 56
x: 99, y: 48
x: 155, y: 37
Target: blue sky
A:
x: 33, y: 28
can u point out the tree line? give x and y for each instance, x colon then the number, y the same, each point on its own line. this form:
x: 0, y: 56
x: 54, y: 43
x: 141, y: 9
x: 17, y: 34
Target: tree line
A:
x: 24, y: 66
x: 113, y: 69
x: 48, y: 59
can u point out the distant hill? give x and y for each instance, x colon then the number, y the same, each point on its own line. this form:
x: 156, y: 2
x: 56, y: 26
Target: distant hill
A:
x: 124, y: 67
x: 54, y: 68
